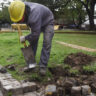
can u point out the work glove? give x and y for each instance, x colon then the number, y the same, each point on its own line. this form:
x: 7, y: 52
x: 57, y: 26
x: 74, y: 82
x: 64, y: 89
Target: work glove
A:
x: 22, y: 39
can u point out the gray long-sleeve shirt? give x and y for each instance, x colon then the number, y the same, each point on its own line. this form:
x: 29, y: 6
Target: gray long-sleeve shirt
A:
x: 38, y: 18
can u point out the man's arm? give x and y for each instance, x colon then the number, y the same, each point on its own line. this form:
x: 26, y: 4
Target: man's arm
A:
x: 35, y: 25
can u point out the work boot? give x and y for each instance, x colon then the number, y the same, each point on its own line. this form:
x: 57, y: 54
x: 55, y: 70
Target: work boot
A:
x: 42, y: 71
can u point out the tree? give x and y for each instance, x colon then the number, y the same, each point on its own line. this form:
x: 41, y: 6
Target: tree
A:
x: 77, y: 12
x: 90, y: 7
x: 4, y: 14
x: 53, y: 4
x: 72, y: 12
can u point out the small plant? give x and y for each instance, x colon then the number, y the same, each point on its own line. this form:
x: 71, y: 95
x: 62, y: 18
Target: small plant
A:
x: 46, y: 78
x: 74, y: 72
x: 66, y: 67
x: 88, y: 69
x: 94, y: 66
x: 35, y: 77
x: 9, y: 93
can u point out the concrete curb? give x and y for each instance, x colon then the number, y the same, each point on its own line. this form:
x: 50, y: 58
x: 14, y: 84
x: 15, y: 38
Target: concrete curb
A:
x: 91, y: 33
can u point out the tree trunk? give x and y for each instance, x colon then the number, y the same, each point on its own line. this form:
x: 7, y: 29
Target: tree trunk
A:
x: 91, y: 15
x: 90, y: 6
x: 80, y: 21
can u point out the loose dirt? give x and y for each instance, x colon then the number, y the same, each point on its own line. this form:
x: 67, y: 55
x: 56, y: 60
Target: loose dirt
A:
x: 76, y: 59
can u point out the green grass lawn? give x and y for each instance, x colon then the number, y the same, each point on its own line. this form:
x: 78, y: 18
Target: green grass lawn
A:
x: 78, y: 39
x: 10, y: 52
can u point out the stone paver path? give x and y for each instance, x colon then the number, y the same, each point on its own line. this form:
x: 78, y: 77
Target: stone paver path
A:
x: 9, y: 84
x: 77, y: 47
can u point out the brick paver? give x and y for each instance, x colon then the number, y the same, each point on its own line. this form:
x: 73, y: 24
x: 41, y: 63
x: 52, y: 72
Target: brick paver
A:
x: 9, y: 84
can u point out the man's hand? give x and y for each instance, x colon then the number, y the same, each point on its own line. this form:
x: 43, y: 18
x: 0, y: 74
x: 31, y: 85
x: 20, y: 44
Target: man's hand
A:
x: 22, y: 39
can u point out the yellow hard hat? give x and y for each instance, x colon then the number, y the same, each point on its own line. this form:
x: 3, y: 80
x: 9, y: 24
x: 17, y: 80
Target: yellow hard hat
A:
x: 16, y: 10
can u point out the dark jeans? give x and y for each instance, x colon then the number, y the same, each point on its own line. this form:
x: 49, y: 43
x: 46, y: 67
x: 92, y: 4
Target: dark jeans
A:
x: 47, y: 41
x: 48, y: 32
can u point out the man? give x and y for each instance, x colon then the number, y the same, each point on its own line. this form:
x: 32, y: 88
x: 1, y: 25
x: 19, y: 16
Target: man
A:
x: 39, y: 18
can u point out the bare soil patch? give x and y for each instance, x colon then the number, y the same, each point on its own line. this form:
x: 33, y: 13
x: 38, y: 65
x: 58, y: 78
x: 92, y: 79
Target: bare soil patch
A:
x: 79, y: 59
